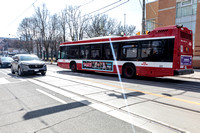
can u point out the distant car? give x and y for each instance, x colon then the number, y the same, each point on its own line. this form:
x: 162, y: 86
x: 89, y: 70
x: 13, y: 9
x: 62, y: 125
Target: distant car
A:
x: 27, y: 63
x: 5, y: 62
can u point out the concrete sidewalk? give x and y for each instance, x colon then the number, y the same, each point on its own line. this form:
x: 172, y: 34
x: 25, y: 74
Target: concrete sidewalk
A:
x: 195, y: 75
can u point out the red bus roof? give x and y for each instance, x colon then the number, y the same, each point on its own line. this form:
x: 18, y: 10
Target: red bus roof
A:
x: 158, y: 32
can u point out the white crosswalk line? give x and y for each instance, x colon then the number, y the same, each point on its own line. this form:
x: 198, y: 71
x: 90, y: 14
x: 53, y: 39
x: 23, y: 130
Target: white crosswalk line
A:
x: 3, y: 81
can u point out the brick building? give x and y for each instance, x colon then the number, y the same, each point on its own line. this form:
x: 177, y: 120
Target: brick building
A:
x: 176, y: 12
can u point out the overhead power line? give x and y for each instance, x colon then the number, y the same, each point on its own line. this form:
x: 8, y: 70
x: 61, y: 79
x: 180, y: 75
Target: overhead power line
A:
x: 22, y: 13
x: 115, y: 6
x: 107, y: 7
x: 140, y: 3
x: 86, y: 3
x: 104, y: 7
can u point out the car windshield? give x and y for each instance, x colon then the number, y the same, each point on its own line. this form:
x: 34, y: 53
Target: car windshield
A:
x: 6, y: 59
x: 28, y: 58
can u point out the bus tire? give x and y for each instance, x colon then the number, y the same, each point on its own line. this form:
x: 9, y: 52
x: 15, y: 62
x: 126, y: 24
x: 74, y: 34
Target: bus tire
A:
x: 128, y: 71
x: 73, y: 67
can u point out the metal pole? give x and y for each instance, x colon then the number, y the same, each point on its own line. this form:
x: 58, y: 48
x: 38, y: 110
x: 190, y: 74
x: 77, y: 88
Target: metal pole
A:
x: 124, y: 23
x: 143, y: 17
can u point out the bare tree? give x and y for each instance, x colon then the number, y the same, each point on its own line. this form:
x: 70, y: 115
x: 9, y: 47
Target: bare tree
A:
x: 101, y: 25
x: 76, y: 22
x: 63, y: 23
x: 53, y: 33
x: 46, y: 32
x: 26, y: 31
x: 41, y: 16
x: 128, y: 30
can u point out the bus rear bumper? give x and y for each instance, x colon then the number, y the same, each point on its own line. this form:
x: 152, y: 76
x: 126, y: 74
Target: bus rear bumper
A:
x: 183, y: 72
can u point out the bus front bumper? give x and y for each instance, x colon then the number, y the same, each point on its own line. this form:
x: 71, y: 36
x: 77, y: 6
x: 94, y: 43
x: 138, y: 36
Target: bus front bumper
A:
x: 183, y: 72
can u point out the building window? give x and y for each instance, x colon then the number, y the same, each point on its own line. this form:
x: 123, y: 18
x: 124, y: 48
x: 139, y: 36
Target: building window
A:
x: 150, y: 24
x: 186, y: 2
x: 186, y: 8
x: 186, y: 11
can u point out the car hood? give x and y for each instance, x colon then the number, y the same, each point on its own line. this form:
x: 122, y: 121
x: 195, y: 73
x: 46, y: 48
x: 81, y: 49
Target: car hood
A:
x: 6, y: 61
x: 33, y: 62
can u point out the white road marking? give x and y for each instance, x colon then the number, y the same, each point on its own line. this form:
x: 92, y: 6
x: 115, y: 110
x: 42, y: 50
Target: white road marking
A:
x: 73, y: 96
x: 138, y: 121
x: 3, y: 81
x: 49, y: 95
x: 4, y: 72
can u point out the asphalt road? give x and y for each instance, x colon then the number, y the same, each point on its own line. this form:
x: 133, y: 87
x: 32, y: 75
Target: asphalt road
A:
x: 26, y: 107
x: 65, y: 101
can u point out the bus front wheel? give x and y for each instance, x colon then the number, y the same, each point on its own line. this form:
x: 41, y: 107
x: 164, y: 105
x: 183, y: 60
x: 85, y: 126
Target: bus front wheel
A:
x: 73, y: 67
x: 129, y: 71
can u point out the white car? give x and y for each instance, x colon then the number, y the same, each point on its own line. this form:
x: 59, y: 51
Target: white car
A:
x: 27, y: 63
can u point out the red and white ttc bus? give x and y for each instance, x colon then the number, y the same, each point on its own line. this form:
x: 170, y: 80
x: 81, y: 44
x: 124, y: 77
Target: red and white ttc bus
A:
x: 165, y: 51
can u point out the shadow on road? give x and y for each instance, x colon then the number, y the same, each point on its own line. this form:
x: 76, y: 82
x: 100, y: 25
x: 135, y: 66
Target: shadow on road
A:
x: 52, y: 110
x: 132, y: 94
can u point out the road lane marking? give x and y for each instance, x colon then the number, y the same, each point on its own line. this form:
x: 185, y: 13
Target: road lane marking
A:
x: 3, y: 81
x: 139, y: 121
x: 148, y: 93
x: 49, y: 95
x: 4, y: 72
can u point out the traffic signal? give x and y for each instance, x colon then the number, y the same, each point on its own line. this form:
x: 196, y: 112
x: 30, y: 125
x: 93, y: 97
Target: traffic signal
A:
x: 138, y: 33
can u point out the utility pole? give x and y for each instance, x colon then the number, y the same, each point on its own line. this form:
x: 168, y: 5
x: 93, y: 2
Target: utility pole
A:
x: 143, y: 17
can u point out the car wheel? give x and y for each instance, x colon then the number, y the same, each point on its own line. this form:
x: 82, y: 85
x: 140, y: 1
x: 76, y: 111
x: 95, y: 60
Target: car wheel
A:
x: 43, y: 73
x: 0, y: 65
x: 20, y: 72
x: 12, y: 71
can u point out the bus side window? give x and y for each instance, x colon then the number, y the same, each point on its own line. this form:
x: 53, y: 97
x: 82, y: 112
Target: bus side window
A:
x: 107, y: 55
x: 129, y: 50
x: 146, y: 49
x: 157, y: 51
x: 64, y: 53
x: 73, y: 52
x: 115, y: 46
x: 84, y: 52
x: 96, y: 51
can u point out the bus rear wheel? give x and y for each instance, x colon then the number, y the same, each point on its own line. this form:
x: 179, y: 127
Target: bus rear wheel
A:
x: 129, y: 71
x: 73, y: 67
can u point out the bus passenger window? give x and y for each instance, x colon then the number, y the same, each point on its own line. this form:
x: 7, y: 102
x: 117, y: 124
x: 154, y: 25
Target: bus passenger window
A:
x: 87, y: 52
x: 107, y: 55
x: 146, y: 50
x: 129, y: 51
x: 64, y: 52
x: 96, y: 51
x: 73, y: 52
x: 84, y: 52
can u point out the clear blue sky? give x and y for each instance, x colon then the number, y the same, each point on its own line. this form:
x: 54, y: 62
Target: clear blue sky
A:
x: 13, y: 11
